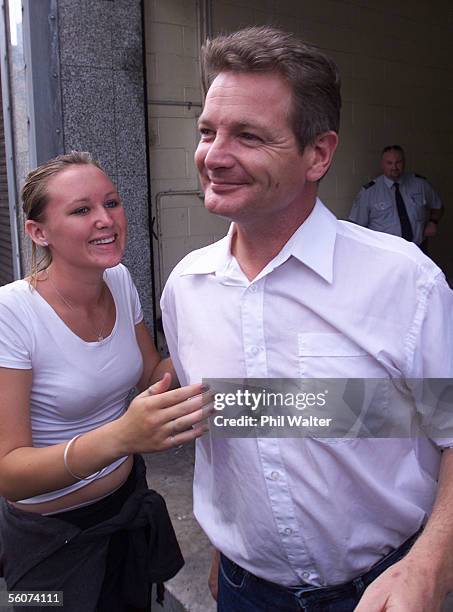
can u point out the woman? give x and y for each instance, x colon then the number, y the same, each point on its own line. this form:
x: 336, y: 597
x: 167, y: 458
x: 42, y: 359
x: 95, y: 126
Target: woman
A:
x: 76, y: 515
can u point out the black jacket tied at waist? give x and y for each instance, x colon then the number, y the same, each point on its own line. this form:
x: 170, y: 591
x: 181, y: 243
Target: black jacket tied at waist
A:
x: 48, y: 553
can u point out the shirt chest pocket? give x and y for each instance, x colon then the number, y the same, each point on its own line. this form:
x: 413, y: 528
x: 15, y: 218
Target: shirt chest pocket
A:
x: 419, y: 201
x: 333, y: 355
x: 382, y: 207
x: 381, y: 214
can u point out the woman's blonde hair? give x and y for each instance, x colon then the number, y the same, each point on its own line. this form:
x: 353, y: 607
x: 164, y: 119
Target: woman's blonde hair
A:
x: 34, y: 198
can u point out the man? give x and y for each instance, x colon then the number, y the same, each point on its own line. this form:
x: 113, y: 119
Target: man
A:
x: 397, y: 202
x: 305, y: 522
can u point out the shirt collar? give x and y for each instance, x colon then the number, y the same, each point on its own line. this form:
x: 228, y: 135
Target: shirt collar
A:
x: 314, y: 241
x: 390, y: 182
x: 312, y: 244
x: 212, y: 258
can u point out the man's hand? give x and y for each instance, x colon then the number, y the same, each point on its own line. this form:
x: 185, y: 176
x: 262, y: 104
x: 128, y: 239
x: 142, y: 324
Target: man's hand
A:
x: 407, y: 586
x: 213, y: 580
x: 430, y: 230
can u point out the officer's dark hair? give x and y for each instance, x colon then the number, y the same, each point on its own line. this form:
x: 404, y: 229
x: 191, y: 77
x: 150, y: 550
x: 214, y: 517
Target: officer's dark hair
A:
x: 313, y: 77
x: 394, y: 147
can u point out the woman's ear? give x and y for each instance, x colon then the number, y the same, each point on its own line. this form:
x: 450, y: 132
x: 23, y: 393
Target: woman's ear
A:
x: 323, y: 149
x: 36, y: 232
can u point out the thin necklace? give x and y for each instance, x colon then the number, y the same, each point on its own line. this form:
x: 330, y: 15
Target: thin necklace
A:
x: 99, y: 334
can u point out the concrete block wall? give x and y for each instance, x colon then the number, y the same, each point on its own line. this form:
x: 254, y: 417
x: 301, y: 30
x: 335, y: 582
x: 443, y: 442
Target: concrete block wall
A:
x: 172, y: 46
x: 395, y: 61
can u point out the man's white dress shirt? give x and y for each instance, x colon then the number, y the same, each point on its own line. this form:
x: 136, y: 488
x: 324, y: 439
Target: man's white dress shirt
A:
x: 337, y: 301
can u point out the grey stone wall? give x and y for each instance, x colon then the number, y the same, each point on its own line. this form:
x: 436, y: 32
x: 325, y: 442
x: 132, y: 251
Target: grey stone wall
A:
x: 103, y: 105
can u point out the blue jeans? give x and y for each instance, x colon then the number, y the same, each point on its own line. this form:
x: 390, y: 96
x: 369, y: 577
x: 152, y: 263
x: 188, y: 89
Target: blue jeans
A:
x: 241, y: 591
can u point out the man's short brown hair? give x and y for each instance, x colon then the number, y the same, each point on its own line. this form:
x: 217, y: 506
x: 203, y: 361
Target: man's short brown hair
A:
x: 313, y: 77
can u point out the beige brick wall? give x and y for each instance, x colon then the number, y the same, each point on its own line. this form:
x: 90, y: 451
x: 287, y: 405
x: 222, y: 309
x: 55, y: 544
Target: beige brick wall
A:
x: 395, y: 61
x: 172, y: 44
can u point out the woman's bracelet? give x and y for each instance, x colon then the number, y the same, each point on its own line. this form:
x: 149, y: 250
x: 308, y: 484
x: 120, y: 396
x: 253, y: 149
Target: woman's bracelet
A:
x: 68, y: 469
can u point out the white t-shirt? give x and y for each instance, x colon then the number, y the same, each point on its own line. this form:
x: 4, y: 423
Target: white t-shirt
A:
x: 77, y: 385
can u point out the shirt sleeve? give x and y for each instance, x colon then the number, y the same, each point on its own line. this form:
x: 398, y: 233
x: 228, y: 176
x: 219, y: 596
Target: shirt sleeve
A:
x: 136, y: 305
x: 432, y: 197
x: 359, y: 210
x: 170, y: 323
x: 433, y: 357
x: 432, y: 367
x: 15, y: 339
x: 132, y: 294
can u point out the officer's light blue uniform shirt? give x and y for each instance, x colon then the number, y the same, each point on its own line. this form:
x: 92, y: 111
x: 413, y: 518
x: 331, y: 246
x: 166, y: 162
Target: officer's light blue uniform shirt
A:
x: 375, y: 205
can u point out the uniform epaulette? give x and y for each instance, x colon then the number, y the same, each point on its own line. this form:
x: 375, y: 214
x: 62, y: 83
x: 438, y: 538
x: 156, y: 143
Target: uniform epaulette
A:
x: 420, y: 176
x: 368, y: 185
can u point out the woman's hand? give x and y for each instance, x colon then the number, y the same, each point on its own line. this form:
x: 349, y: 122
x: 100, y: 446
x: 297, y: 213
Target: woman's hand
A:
x: 156, y: 420
x: 159, y: 419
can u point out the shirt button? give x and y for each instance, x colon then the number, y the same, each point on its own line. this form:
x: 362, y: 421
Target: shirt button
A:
x: 275, y: 475
x: 253, y: 288
x: 305, y: 575
x: 255, y: 350
x: 288, y: 531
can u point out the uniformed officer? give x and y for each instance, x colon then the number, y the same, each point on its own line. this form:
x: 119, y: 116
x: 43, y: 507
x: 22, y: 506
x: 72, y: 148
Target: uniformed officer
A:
x: 398, y: 202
